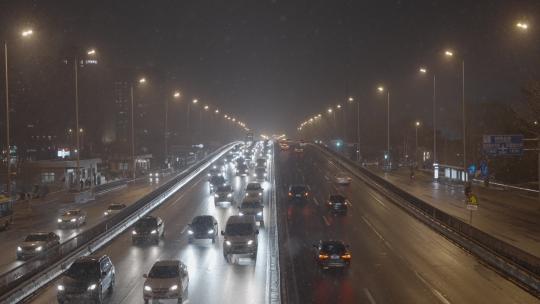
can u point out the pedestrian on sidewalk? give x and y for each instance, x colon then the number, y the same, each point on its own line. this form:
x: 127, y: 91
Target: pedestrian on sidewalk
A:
x: 467, y: 189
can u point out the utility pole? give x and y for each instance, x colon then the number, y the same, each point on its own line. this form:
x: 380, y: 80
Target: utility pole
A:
x: 8, y: 149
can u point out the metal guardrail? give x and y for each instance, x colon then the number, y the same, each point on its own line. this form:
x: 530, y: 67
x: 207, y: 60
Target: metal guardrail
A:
x: 514, y: 262
x: 25, y: 279
x: 273, y: 291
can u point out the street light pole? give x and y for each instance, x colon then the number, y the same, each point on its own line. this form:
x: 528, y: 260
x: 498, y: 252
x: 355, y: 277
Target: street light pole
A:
x: 416, y: 126
x: 76, y: 70
x: 8, y: 155
x: 463, y: 117
x: 434, y: 122
x: 166, y: 128
x: 132, y: 134
x: 388, y: 123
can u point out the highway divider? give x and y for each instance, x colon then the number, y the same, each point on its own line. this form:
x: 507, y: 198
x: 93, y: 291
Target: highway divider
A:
x: 516, y: 264
x: 26, y: 279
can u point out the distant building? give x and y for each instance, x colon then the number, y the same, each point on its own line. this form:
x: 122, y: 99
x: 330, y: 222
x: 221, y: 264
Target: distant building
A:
x: 122, y: 109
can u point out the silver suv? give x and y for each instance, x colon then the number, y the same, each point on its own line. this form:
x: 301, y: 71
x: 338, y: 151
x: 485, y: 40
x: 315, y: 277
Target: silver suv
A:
x: 241, y: 235
x: 88, y: 278
x: 167, y: 279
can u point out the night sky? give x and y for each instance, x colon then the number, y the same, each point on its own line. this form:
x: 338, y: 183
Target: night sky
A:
x: 273, y: 63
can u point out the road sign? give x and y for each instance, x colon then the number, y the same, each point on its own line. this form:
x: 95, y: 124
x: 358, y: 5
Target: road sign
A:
x: 503, y: 145
x: 472, y: 207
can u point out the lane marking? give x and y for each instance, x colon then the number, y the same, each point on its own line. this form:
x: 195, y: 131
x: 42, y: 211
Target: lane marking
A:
x: 326, y: 221
x: 437, y: 293
x: 377, y: 233
x: 316, y: 201
x: 369, y: 296
x: 326, y: 177
x: 377, y: 199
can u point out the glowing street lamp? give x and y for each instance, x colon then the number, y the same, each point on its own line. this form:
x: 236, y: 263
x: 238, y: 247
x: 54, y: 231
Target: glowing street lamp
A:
x: 206, y: 107
x: 91, y: 52
x: 329, y: 110
x: 449, y: 53
x: 523, y: 26
x: 176, y: 94
x: 216, y: 111
x: 142, y: 80
x: 422, y: 70
x: 381, y: 90
x: 25, y: 33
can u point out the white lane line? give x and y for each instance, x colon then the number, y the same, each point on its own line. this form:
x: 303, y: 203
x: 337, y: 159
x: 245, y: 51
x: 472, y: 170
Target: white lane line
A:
x: 369, y: 296
x: 316, y: 201
x: 184, y: 230
x: 377, y: 233
x: 326, y: 177
x: 437, y: 293
x: 377, y: 200
x: 326, y: 221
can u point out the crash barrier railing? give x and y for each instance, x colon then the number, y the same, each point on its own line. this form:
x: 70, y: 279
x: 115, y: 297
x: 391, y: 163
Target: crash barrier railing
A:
x: 273, y: 288
x: 514, y: 262
x: 22, y: 281
x: 110, y: 185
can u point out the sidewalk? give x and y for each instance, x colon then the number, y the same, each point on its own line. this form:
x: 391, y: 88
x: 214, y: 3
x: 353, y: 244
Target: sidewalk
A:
x: 509, y: 215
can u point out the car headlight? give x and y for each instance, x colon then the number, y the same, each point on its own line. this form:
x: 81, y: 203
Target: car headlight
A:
x: 105, y: 213
x: 265, y: 175
x: 147, y: 288
x: 260, y: 193
x: 254, y: 175
x: 228, y: 243
x: 133, y: 232
x: 19, y: 248
x: 250, y: 242
x: 259, y: 213
x: 73, y: 220
x: 208, y: 174
x: 39, y: 248
x: 210, y: 231
x: 92, y: 287
x: 241, y: 213
x: 229, y: 195
x: 174, y: 287
x: 59, y: 220
x: 216, y: 195
x: 60, y: 287
x: 190, y: 231
x: 153, y: 231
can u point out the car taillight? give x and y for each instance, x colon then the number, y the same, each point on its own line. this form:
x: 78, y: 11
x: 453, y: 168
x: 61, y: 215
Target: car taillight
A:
x: 323, y: 256
x: 346, y: 256
x: 306, y: 194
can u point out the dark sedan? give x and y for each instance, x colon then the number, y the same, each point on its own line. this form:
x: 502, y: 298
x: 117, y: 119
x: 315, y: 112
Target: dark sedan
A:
x: 337, y: 203
x: 332, y: 254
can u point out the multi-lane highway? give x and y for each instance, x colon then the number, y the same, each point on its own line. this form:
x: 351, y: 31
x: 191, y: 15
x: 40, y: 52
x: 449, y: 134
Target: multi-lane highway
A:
x: 41, y: 217
x: 212, y: 279
x: 395, y: 258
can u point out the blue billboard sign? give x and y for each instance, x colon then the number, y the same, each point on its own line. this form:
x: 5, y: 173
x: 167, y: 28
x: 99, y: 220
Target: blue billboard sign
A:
x: 503, y: 145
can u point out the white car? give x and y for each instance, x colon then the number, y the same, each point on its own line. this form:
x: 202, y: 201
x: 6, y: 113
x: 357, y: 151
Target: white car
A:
x: 342, y: 178
x: 114, y: 209
x: 167, y: 279
x: 72, y: 218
